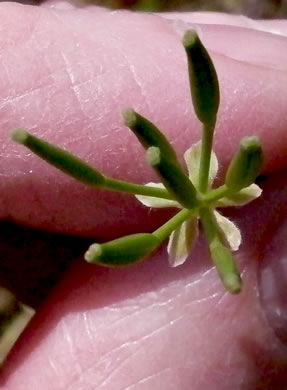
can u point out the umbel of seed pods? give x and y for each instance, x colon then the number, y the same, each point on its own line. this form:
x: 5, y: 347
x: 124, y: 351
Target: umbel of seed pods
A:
x: 192, y: 193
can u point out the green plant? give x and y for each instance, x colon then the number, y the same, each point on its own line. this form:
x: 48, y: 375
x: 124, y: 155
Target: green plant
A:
x: 192, y: 193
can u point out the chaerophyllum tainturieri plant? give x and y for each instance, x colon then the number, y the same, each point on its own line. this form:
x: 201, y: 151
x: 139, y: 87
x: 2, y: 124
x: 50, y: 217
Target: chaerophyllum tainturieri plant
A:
x: 192, y: 194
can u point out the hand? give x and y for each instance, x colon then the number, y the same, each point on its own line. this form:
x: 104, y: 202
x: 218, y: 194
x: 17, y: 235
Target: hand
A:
x: 66, y: 75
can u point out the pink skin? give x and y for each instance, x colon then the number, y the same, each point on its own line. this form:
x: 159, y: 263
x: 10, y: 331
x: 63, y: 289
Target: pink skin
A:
x: 66, y: 74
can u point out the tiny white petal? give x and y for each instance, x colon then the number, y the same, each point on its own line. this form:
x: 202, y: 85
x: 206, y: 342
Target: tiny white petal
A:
x: 231, y: 232
x: 241, y: 198
x: 192, y: 159
x: 182, y: 241
x: 151, y: 201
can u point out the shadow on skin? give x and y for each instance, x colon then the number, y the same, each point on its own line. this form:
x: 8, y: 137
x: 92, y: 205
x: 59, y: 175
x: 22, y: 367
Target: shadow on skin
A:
x: 32, y: 261
x: 271, y: 369
x: 108, y: 287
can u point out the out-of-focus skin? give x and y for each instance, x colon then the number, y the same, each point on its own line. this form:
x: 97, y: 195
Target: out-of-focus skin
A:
x: 66, y: 74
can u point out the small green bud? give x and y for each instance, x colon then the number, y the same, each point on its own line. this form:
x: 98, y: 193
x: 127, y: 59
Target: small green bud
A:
x: 203, y: 79
x: 226, y: 267
x: 173, y: 177
x: 59, y: 158
x: 245, y: 165
x: 123, y: 251
x: 147, y: 133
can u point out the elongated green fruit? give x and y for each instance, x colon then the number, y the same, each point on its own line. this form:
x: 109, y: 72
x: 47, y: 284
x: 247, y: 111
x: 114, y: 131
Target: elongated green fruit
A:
x: 226, y: 267
x: 147, y: 133
x: 203, y: 79
x: 123, y: 251
x: 173, y: 178
x: 59, y: 158
x: 246, y: 164
x: 221, y: 256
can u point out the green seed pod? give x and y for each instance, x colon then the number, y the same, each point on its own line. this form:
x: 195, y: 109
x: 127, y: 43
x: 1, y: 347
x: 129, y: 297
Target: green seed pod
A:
x: 123, y: 251
x: 222, y: 257
x: 226, y: 267
x: 147, y: 133
x: 245, y: 165
x: 203, y: 79
x: 59, y: 158
x: 173, y: 178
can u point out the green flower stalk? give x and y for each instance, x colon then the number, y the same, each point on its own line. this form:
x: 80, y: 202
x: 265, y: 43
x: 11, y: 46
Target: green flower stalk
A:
x: 191, y: 193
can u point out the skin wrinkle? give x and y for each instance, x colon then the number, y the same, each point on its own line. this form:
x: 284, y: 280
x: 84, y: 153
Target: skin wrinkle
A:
x: 87, y: 326
x: 72, y: 82
x: 185, y: 290
x: 209, y: 298
x: 137, y: 81
x: 16, y: 37
x: 102, y: 363
x: 138, y: 337
x: 212, y: 33
x: 58, y: 374
x: 130, y: 357
x: 117, y: 370
x: 42, y: 83
x: 128, y: 344
x: 131, y: 68
x: 6, y: 74
x: 77, y: 367
x: 37, y: 23
x: 45, y: 82
x: 164, y: 301
x: 149, y: 378
x: 69, y: 67
x: 137, y: 312
x: 225, y: 19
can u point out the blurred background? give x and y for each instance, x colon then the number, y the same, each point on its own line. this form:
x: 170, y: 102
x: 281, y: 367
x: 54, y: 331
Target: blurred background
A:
x: 252, y: 8
x: 266, y: 9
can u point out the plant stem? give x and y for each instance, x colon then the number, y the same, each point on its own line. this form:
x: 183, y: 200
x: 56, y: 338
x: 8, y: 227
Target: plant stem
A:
x: 136, y: 189
x: 207, y: 139
x: 165, y: 230
x: 216, y: 194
